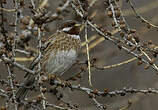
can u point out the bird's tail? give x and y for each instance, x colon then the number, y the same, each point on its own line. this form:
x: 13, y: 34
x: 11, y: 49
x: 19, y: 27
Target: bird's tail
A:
x: 28, y: 83
x: 22, y: 92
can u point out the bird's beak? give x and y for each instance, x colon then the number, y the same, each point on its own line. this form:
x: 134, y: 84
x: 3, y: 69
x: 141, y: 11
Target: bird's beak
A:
x: 78, y: 25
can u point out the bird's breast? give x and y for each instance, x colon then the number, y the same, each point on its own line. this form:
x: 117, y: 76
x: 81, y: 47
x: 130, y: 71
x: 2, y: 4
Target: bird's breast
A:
x: 61, y: 61
x: 61, y: 52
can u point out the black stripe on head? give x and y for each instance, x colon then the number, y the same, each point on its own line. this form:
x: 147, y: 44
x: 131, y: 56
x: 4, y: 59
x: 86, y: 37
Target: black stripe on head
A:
x: 68, y: 23
x: 74, y: 29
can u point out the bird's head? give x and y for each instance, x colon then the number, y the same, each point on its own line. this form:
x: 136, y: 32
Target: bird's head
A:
x: 71, y: 27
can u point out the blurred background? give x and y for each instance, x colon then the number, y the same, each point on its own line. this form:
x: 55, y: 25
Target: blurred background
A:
x: 106, y: 53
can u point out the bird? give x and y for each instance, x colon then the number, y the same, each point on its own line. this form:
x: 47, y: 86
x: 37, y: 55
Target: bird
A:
x: 59, y: 54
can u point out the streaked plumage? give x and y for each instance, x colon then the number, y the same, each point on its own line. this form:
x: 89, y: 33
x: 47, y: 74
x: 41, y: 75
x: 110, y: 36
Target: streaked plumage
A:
x: 60, y: 53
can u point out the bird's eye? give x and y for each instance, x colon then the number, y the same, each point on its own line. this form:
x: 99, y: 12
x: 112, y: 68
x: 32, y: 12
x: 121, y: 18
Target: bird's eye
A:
x: 73, y: 23
x: 69, y: 25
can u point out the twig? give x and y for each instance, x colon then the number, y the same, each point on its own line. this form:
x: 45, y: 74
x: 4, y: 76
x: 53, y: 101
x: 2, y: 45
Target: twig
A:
x: 15, y: 28
x: 114, y: 16
x: 12, y: 87
x: 33, y: 4
x: 92, y: 3
x: 99, y: 106
x: 128, y: 28
x: 69, y: 104
x: 110, y: 39
x: 8, y: 10
x: 39, y: 66
x: 22, y: 67
x: 22, y: 51
x: 116, y: 65
x: 139, y: 16
x: 55, y: 106
x: 127, y: 106
x: 122, y: 92
x: 89, y: 64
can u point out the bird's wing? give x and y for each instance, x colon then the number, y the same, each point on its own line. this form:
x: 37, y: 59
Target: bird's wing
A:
x: 49, y: 47
x: 61, y: 60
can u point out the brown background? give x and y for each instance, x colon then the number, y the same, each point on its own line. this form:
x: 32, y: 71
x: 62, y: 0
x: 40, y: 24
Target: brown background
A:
x: 128, y: 75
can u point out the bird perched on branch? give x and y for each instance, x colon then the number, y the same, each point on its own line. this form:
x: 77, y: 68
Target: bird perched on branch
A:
x: 59, y: 54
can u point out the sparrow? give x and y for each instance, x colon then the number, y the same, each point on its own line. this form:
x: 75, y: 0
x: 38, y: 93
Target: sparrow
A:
x: 60, y: 53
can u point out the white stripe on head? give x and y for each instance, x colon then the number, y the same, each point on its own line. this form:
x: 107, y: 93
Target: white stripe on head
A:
x: 67, y: 29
